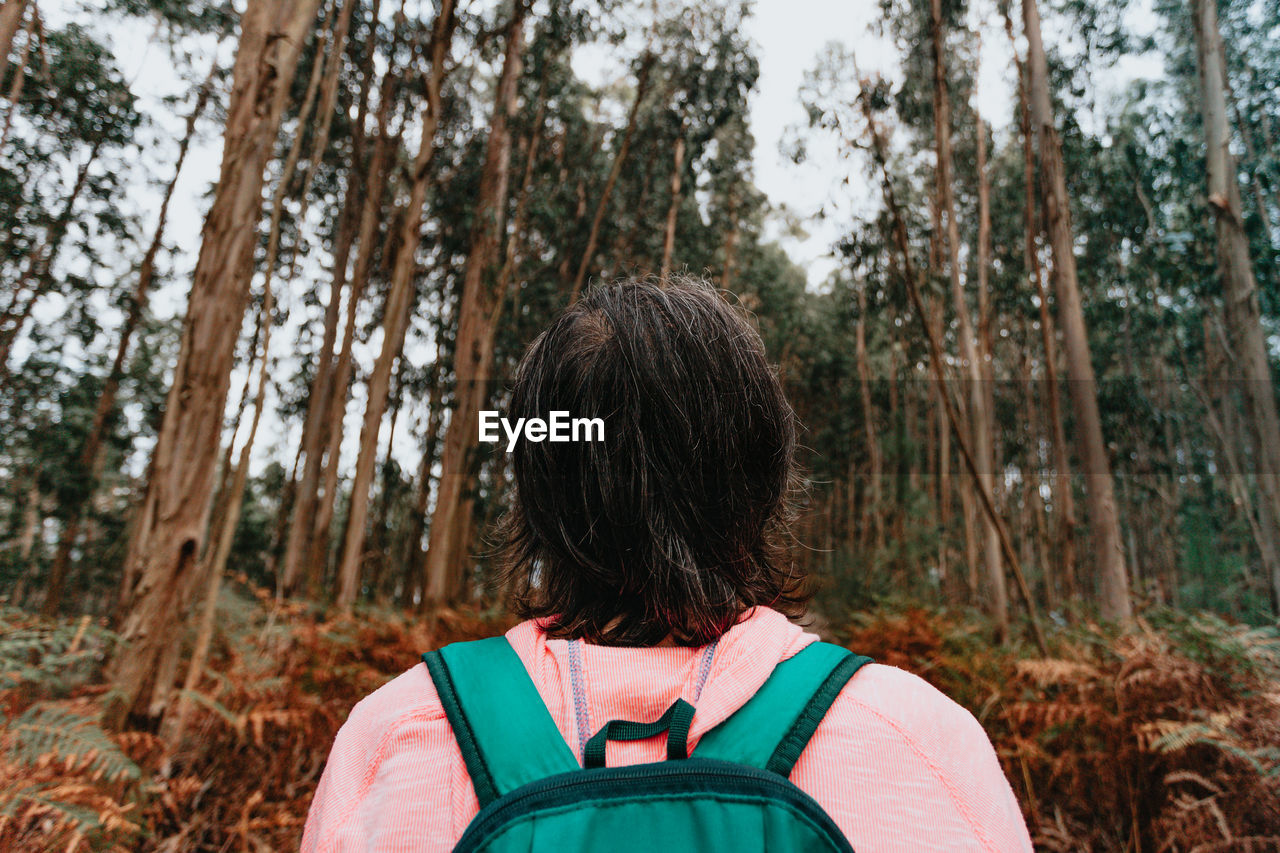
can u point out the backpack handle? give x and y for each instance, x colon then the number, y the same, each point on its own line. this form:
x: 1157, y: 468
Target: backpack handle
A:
x: 675, y: 722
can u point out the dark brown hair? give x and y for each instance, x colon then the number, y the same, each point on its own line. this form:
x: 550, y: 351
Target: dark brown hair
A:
x: 672, y: 526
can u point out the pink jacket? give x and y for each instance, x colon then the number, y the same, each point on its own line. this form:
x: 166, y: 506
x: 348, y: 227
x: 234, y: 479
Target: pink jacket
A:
x: 897, y: 765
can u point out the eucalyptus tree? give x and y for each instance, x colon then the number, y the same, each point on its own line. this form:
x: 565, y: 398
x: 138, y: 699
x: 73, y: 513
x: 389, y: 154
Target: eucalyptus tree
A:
x: 170, y: 527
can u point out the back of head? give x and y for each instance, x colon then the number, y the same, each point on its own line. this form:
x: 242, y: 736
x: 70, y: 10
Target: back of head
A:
x: 671, y: 526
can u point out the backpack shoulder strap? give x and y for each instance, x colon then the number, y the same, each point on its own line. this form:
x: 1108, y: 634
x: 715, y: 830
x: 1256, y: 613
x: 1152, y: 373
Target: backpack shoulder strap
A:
x: 506, y: 734
x: 774, y: 726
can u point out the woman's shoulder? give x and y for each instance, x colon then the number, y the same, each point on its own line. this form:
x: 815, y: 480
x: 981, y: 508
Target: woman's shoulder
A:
x: 892, y: 739
x: 408, y: 698
x: 910, y: 706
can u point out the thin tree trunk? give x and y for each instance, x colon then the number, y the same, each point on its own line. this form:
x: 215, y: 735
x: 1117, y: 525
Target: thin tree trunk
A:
x: 477, y: 315
x: 379, y: 539
x: 730, y: 249
x: 291, y: 159
x: 396, y: 313
x: 178, y: 495
x: 88, y: 463
x: 985, y: 343
x: 1036, y: 504
x: 1240, y: 290
x: 1063, y: 494
x: 869, y: 423
x: 593, y: 236
x: 986, y: 441
x: 309, y: 536
x: 30, y: 519
x: 414, y: 551
x: 320, y: 385
x: 979, y: 417
x: 325, y: 113
x: 901, y: 264
x: 1104, y: 522
x: 314, y: 428
x: 669, y: 238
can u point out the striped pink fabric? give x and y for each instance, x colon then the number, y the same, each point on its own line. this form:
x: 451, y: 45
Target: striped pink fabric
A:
x: 898, y: 765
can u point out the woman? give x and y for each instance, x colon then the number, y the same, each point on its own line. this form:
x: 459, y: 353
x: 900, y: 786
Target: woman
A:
x: 649, y: 568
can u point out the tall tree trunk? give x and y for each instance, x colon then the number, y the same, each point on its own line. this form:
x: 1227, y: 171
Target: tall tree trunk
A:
x: 314, y: 428
x: 396, y: 314
x: 976, y: 398
x: 902, y: 266
x: 1104, y: 522
x: 176, y: 503
x: 90, y: 452
x: 477, y: 314
x: 309, y: 535
x: 1240, y: 289
x: 328, y: 97
x: 322, y: 70
x: 320, y: 383
x: 464, y: 524
x: 285, y: 182
x: 985, y: 441
x: 1064, y: 498
x: 593, y: 236
x: 215, y: 562
x: 412, y: 559
x: 730, y: 248
x: 876, y: 460
x: 669, y: 235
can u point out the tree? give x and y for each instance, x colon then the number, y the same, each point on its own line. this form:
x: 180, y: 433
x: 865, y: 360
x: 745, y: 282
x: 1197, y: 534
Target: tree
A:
x: 91, y: 451
x: 1240, y: 289
x: 1104, y: 522
x: 477, y: 307
x: 395, y: 314
x: 169, y: 530
x: 978, y: 415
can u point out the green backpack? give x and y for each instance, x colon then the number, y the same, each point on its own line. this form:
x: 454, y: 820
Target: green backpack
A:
x: 732, y: 794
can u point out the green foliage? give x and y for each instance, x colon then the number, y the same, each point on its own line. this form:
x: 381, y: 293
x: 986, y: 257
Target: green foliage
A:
x: 49, y: 657
x: 46, y: 733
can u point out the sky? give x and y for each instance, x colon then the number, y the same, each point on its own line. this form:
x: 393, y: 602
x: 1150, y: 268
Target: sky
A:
x: 790, y: 35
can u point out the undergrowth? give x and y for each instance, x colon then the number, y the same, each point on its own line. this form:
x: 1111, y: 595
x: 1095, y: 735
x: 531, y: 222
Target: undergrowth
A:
x: 279, y: 683
x: 1165, y: 740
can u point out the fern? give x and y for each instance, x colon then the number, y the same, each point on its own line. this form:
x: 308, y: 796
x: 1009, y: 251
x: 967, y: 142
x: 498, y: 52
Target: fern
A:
x: 230, y: 717
x: 46, y: 733
x: 55, y: 657
x: 1175, y: 737
x: 43, y: 796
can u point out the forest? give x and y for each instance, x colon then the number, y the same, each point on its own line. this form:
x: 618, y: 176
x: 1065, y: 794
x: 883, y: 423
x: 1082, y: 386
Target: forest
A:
x: 1036, y: 373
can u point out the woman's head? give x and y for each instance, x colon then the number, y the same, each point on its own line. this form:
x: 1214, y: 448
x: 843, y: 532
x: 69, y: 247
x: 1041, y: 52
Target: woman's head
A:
x: 670, y: 526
